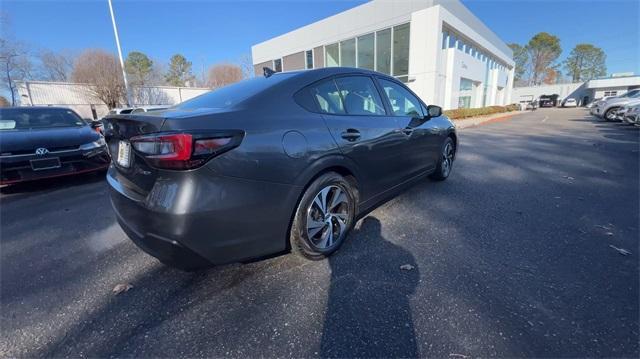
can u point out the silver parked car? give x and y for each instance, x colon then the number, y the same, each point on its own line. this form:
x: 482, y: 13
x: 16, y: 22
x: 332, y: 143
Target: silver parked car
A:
x: 608, y: 108
x: 631, y: 114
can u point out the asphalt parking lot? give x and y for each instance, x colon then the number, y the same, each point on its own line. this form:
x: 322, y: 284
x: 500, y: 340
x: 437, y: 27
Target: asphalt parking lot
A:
x: 515, y: 255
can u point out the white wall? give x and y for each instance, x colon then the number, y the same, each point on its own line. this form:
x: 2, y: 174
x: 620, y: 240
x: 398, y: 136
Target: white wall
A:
x: 436, y: 78
x: 433, y: 74
x: 600, y: 92
x: 78, y: 96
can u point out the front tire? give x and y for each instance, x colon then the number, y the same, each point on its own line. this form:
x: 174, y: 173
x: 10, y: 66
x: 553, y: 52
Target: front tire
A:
x: 610, y: 115
x: 445, y: 163
x: 323, y: 217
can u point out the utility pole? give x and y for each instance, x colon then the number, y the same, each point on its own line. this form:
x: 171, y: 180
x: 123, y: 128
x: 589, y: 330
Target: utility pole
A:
x: 124, y: 73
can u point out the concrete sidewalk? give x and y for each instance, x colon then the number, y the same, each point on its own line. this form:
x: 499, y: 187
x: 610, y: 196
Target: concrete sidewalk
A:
x: 480, y: 120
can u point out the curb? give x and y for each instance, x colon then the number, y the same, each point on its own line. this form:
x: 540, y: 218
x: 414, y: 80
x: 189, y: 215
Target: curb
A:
x: 474, y: 122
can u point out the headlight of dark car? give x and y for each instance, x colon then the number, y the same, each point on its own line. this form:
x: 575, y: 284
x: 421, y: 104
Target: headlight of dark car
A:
x: 93, y: 145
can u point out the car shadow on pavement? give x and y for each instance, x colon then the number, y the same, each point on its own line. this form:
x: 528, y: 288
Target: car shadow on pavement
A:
x: 51, y: 184
x: 368, y: 311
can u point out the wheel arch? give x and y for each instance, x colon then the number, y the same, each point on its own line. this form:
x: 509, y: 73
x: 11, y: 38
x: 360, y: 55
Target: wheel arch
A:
x: 335, y: 163
x: 454, y: 137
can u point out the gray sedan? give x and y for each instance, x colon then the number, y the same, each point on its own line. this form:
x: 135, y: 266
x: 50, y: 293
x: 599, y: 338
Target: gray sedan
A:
x: 285, y: 161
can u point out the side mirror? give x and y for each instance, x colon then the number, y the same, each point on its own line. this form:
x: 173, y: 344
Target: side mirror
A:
x: 434, y: 111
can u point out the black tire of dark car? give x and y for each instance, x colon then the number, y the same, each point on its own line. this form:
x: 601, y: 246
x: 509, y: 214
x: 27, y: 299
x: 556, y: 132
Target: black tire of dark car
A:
x: 609, y: 115
x: 445, y: 163
x: 301, y: 243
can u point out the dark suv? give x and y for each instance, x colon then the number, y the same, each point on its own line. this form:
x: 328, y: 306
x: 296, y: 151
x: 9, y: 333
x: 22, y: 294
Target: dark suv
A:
x: 283, y: 161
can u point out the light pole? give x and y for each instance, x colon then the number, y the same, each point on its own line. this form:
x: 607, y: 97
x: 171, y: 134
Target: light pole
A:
x: 124, y: 73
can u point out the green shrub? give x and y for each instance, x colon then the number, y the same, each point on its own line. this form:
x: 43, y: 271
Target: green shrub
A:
x: 461, y: 113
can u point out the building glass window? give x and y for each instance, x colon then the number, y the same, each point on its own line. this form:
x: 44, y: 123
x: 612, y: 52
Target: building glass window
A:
x: 464, y: 102
x: 309, y: 59
x: 445, y: 39
x: 277, y: 65
x: 401, y: 50
x: 360, y: 95
x: 328, y: 97
x: 610, y: 93
x: 403, y: 103
x: 331, y: 55
x: 348, y: 53
x: 466, y: 85
x: 383, y: 51
x: 452, y: 40
x: 366, y: 51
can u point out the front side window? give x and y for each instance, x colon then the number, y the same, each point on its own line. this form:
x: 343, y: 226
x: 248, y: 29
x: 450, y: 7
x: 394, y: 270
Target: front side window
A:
x: 360, y: 96
x: 332, y: 55
x: 328, y: 98
x: 403, y: 102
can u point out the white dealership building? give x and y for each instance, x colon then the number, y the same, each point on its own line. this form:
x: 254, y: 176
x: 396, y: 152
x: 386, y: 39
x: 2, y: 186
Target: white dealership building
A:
x: 438, y: 47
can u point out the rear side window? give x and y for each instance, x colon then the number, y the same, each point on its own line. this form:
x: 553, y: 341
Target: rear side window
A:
x: 328, y: 98
x: 360, y: 95
x: 403, y: 103
x: 231, y: 95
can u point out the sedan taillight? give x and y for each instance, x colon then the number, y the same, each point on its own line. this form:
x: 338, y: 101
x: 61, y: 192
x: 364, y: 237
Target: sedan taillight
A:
x: 184, y: 150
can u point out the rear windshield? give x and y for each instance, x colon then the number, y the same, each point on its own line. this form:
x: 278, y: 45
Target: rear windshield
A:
x: 34, y: 118
x: 231, y: 95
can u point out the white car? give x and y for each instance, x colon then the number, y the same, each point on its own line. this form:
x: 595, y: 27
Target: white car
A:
x: 137, y: 109
x: 150, y: 108
x: 570, y: 102
x: 607, y: 109
x: 628, y: 113
x: 632, y: 115
x: 120, y: 110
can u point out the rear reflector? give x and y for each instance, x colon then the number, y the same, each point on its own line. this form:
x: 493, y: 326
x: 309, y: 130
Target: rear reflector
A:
x: 184, y: 150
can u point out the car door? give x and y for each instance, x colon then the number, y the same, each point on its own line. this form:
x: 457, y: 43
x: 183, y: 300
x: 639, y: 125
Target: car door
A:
x: 422, y: 146
x: 356, y: 117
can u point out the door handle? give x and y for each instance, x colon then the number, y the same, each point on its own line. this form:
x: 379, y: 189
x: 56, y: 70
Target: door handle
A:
x: 407, y: 131
x: 351, y: 134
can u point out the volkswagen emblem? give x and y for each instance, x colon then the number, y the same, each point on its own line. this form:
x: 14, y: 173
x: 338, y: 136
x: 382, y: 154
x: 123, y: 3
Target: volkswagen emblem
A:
x: 42, y: 151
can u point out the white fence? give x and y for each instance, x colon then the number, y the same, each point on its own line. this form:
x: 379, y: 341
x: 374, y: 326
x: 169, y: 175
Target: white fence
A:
x: 78, y: 96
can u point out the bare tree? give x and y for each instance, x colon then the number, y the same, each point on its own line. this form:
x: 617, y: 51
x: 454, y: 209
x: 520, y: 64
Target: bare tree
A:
x: 15, y: 63
x: 224, y: 74
x: 101, y: 70
x: 56, y: 66
x: 4, y: 102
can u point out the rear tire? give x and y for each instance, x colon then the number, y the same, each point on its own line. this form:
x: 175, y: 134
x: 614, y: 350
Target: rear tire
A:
x: 324, y: 216
x: 445, y: 163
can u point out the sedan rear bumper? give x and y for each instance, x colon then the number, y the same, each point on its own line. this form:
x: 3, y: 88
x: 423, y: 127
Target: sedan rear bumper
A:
x: 193, y: 218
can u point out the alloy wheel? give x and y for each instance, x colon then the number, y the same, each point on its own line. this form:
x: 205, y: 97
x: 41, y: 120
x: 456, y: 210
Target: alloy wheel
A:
x: 447, y: 159
x: 327, y: 216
